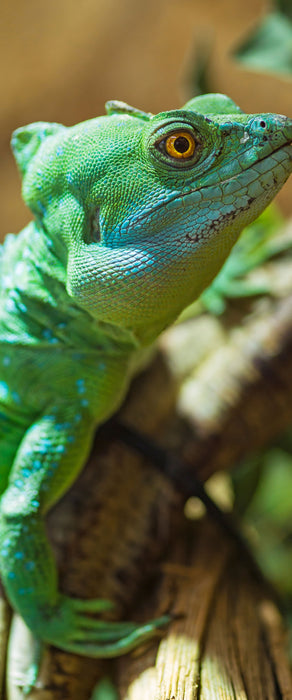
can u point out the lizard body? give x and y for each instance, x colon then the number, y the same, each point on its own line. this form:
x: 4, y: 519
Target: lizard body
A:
x: 134, y: 216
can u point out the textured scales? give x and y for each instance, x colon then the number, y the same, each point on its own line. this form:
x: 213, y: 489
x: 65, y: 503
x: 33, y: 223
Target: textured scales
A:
x: 134, y: 214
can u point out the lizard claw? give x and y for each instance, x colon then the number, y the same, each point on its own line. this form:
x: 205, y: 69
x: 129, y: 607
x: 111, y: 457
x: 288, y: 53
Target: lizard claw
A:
x: 72, y: 627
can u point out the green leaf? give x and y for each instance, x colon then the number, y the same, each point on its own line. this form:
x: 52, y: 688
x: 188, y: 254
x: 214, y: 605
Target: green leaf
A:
x: 269, y: 46
x: 267, y: 497
x: 285, y: 7
x: 272, y: 501
x: 105, y: 690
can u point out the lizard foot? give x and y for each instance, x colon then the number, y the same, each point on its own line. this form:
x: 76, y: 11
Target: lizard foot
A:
x: 70, y: 626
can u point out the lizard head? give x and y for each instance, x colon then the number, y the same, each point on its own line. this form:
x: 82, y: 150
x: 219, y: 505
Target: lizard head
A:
x: 144, y: 209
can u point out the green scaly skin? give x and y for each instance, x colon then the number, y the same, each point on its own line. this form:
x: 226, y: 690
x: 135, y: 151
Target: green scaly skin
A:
x: 125, y: 236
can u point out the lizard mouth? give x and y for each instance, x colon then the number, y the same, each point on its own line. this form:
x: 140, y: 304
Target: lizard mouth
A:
x: 283, y: 147
x: 194, y: 196
x: 278, y: 175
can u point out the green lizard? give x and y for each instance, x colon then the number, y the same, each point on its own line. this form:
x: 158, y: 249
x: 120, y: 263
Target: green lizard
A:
x: 134, y: 215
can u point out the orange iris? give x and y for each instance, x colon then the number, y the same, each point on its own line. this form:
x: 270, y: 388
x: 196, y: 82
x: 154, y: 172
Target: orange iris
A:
x: 180, y: 145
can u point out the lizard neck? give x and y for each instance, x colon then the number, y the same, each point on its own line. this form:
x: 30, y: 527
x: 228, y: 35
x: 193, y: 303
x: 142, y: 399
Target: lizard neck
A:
x: 37, y: 308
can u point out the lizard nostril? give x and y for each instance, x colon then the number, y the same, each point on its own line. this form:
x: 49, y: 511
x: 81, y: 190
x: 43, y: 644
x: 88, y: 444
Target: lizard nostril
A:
x: 263, y: 124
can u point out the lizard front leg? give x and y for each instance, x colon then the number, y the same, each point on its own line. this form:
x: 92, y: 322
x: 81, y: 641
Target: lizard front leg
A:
x: 48, y: 460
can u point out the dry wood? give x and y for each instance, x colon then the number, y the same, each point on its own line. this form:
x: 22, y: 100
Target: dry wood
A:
x: 222, y: 648
x: 230, y: 393
x: 240, y: 396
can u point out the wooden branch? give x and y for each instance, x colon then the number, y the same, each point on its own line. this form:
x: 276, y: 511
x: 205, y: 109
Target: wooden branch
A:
x: 238, y: 401
x: 228, y: 394
x: 229, y: 642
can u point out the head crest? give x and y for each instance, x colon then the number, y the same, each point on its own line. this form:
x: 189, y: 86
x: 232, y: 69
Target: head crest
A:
x: 213, y: 103
x: 26, y: 141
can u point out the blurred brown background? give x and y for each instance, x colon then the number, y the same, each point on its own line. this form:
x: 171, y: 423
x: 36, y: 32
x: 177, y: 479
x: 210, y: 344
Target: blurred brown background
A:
x: 62, y: 59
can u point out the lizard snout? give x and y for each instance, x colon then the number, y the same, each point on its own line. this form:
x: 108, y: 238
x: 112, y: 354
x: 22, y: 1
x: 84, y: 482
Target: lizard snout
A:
x: 273, y: 128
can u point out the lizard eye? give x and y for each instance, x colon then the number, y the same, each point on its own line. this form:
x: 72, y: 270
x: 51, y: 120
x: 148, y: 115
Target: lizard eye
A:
x: 180, y: 144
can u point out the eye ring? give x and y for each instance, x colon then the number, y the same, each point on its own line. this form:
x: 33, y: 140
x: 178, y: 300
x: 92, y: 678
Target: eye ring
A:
x: 180, y: 145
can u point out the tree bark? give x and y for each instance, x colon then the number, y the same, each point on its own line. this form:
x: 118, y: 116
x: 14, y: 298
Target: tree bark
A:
x: 217, y: 390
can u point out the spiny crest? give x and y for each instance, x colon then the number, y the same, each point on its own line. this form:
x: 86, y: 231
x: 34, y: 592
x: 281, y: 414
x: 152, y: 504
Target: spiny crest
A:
x: 118, y: 107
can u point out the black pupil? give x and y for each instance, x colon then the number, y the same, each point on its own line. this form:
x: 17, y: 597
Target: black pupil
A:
x: 181, y: 144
